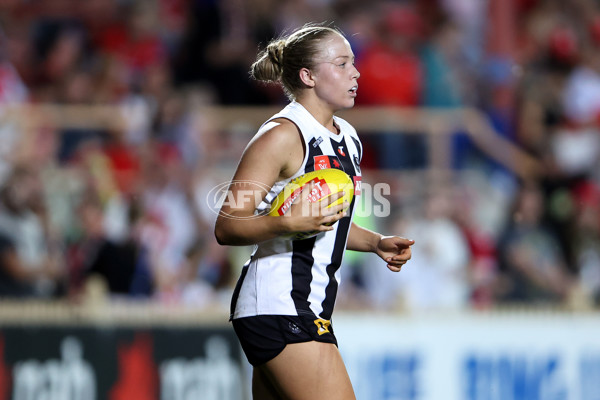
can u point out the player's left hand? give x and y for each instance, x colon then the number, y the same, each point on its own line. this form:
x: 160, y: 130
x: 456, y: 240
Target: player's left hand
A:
x: 395, y: 251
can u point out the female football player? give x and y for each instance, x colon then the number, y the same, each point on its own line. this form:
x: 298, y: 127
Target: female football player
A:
x: 282, y: 305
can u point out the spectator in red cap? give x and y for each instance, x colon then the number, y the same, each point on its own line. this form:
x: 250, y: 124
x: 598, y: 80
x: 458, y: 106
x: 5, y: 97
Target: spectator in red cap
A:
x: 393, y: 76
x: 390, y: 65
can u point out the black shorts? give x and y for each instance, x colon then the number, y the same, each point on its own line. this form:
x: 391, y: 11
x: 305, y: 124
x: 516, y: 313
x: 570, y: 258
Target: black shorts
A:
x: 263, y: 337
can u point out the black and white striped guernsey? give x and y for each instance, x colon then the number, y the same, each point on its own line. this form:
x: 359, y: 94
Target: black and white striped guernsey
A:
x: 301, y: 277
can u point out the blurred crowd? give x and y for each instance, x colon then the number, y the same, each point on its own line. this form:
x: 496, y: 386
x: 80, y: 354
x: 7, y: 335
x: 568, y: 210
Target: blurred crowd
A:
x: 126, y: 203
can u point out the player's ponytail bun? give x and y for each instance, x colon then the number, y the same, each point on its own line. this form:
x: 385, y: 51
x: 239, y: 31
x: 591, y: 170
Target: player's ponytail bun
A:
x: 269, y: 65
x: 283, y: 58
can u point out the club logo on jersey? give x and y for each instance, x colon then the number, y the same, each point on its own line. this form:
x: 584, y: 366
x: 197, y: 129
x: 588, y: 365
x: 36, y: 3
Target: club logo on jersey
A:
x: 341, y: 151
x: 317, y: 142
x: 357, y: 163
x: 322, y: 326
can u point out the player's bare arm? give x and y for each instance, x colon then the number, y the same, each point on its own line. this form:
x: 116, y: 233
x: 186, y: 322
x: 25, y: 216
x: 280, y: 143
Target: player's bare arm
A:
x: 275, y: 153
x: 394, y: 250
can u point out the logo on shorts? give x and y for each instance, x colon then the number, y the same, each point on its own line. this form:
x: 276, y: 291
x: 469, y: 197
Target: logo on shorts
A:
x: 322, y: 326
x: 294, y: 328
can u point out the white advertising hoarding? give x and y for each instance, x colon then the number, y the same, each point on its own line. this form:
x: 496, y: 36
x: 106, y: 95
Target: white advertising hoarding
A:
x: 497, y: 356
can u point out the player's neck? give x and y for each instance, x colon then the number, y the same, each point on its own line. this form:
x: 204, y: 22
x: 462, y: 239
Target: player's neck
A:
x: 321, y: 113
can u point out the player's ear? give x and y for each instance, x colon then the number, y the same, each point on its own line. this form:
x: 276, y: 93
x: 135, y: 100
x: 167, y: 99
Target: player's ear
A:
x: 306, y: 77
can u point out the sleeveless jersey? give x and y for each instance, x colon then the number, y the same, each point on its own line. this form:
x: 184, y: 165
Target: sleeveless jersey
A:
x: 301, y: 277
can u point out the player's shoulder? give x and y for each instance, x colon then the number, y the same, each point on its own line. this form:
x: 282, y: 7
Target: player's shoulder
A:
x: 279, y: 125
x: 277, y: 134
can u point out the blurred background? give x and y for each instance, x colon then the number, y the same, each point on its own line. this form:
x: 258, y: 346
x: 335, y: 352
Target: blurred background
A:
x: 118, y: 118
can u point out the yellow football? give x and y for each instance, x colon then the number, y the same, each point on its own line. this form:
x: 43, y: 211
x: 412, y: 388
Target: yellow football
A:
x: 326, y: 182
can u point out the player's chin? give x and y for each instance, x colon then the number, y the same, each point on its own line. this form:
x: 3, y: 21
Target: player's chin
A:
x: 348, y: 103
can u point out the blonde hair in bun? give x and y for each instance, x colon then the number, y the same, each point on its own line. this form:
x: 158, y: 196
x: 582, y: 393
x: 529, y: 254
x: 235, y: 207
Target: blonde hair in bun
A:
x: 284, y: 57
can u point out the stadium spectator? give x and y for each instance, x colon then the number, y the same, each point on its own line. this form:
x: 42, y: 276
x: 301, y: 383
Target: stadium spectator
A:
x: 392, y: 75
x: 12, y: 92
x: 31, y: 261
x: 440, y: 277
x: 530, y: 256
x: 581, y: 99
x: 168, y: 224
x: 586, y: 239
x: 122, y: 264
x: 482, y: 275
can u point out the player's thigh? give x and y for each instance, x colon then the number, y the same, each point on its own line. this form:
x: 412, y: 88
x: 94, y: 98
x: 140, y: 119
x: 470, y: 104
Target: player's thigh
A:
x: 262, y: 386
x: 310, y: 370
